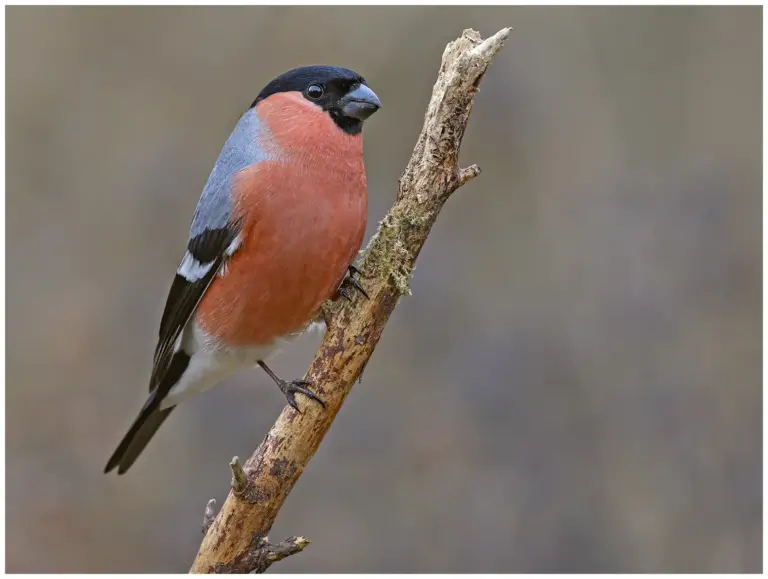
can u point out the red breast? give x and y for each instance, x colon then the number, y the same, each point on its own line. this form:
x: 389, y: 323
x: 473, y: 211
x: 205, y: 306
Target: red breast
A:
x: 304, y: 217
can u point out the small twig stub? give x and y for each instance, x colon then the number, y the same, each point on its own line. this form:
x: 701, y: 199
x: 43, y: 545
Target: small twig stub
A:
x: 208, y: 515
x: 239, y: 478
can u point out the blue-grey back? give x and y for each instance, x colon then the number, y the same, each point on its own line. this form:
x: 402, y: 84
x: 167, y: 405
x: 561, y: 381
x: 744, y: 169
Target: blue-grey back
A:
x: 240, y: 151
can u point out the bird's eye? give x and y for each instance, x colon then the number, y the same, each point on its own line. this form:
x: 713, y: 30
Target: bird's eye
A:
x: 315, y: 91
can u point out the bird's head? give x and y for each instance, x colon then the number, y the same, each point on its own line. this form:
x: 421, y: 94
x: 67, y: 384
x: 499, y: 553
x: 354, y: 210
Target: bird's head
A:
x: 340, y: 92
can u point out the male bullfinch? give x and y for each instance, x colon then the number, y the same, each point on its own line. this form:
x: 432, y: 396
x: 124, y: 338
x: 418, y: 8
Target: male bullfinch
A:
x: 274, y: 235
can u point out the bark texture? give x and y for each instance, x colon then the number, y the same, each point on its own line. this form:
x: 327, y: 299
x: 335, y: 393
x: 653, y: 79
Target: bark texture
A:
x: 236, y: 541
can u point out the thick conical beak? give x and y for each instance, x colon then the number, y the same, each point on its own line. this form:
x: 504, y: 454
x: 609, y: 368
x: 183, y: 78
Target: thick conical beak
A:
x: 360, y: 103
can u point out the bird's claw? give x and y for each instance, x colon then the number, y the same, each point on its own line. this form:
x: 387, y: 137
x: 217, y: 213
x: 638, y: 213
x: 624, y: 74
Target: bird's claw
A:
x: 291, y: 387
x: 352, y: 281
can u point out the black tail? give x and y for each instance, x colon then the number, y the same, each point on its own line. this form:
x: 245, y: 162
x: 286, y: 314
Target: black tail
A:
x: 138, y: 436
x: 149, y: 420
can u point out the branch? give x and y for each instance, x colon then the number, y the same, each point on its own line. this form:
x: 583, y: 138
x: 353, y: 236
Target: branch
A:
x: 236, y: 539
x: 262, y: 554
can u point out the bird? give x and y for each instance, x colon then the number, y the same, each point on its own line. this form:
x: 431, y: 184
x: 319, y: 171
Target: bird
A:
x: 274, y: 235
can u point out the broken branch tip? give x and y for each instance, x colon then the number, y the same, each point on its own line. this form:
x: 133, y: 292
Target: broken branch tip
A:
x: 239, y: 478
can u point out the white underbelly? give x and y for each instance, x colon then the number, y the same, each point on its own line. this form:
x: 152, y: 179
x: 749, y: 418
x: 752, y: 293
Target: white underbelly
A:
x: 211, y: 361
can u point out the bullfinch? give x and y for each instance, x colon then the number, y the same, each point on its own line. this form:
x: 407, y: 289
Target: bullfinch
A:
x: 277, y: 228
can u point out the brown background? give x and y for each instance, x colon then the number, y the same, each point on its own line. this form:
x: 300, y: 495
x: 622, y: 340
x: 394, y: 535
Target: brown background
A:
x: 574, y: 384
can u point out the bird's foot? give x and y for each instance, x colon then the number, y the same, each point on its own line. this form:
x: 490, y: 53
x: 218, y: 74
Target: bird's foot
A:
x: 292, y: 387
x: 350, y: 282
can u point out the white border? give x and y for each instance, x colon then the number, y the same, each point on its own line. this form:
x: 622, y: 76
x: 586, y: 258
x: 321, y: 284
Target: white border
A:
x: 337, y: 2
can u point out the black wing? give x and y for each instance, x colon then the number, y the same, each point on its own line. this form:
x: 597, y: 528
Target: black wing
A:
x: 210, y: 250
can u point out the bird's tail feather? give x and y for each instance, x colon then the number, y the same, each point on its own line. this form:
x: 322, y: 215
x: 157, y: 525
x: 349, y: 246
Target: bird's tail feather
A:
x: 149, y: 419
x: 136, y: 440
x: 138, y: 436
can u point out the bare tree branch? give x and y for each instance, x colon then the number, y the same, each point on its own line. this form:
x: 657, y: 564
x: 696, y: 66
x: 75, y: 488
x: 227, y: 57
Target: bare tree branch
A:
x: 262, y: 554
x: 236, y: 541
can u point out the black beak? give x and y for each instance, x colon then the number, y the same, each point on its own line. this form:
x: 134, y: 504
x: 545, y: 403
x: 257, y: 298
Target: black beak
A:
x: 360, y: 103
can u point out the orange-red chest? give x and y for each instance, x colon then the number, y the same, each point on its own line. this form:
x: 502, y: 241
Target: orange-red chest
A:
x: 304, y: 217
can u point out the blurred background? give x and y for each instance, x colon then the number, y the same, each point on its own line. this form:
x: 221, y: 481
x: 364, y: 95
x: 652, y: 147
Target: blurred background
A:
x: 574, y: 385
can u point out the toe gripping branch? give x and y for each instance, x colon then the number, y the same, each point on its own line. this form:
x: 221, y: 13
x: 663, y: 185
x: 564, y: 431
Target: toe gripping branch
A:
x: 292, y: 387
x: 351, y: 282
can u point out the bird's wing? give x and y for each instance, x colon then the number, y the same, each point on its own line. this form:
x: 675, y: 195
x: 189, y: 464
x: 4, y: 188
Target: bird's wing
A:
x: 204, y: 257
x: 213, y: 238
